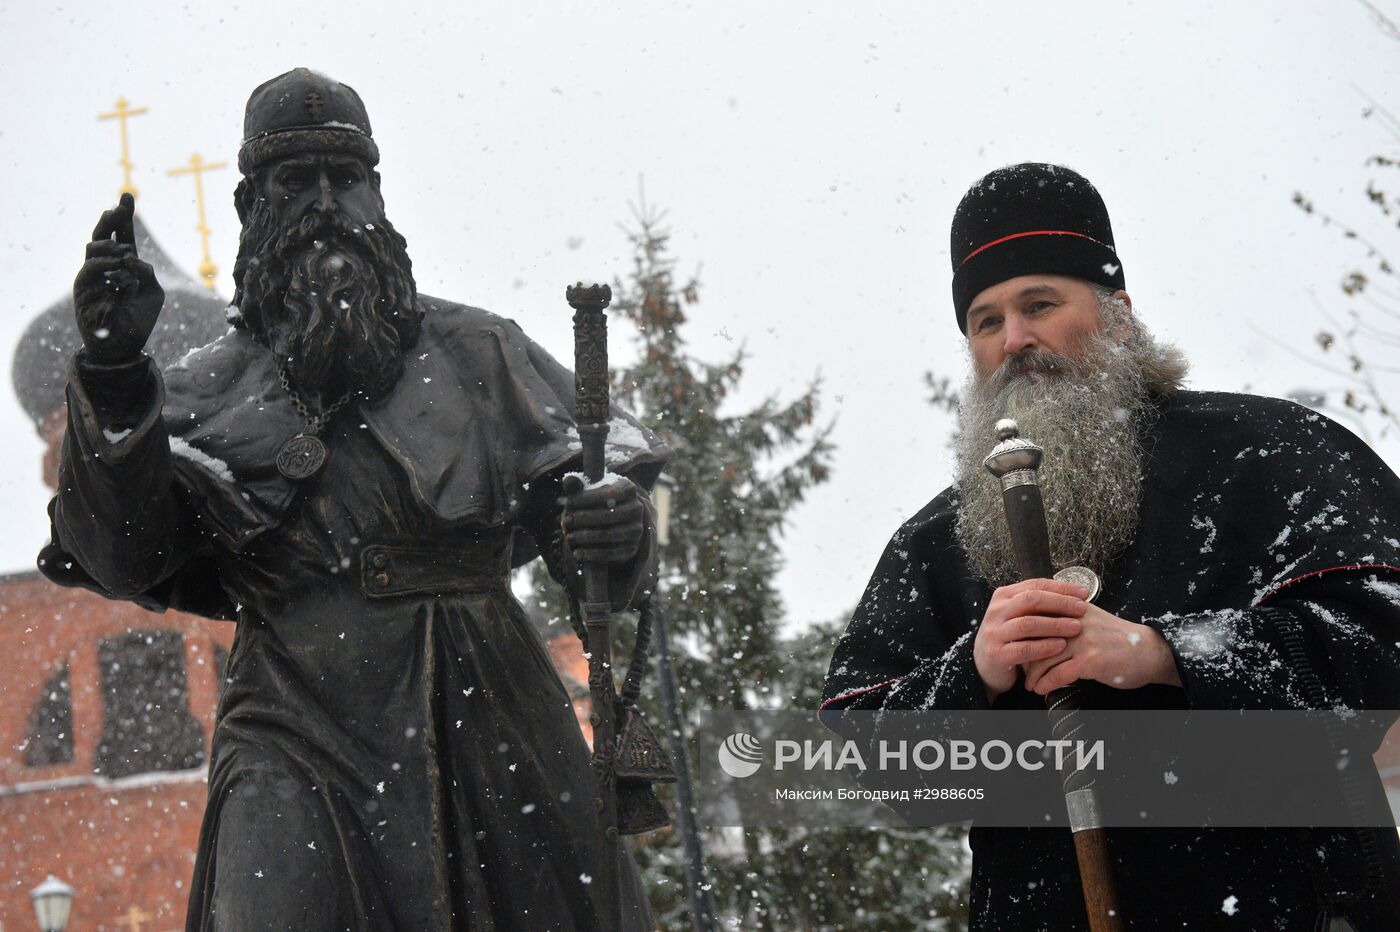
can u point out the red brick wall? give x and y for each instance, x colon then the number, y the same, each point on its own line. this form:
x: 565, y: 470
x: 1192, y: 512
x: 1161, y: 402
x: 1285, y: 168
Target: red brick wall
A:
x: 122, y: 844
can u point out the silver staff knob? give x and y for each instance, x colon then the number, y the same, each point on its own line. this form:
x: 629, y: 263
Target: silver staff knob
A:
x: 1013, y: 458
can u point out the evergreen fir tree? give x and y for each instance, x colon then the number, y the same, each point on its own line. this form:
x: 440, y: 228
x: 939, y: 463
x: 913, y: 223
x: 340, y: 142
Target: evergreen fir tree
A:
x: 737, y: 476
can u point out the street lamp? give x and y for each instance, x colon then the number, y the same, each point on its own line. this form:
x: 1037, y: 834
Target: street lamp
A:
x: 52, y: 900
x: 702, y: 903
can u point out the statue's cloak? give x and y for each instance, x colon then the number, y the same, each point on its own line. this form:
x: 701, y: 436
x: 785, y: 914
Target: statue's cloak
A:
x: 394, y: 749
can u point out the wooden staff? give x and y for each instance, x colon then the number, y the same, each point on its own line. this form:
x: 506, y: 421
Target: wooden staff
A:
x: 591, y: 415
x: 1015, y: 461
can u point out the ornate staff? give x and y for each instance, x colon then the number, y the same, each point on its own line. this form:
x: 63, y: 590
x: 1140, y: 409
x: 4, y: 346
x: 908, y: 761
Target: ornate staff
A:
x: 591, y: 397
x: 1015, y: 462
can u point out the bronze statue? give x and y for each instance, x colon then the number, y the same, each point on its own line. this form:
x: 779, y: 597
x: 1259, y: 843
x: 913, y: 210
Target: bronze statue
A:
x: 350, y: 473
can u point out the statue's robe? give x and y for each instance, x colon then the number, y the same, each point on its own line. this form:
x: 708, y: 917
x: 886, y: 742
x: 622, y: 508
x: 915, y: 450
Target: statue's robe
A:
x: 394, y: 749
x: 1267, y: 535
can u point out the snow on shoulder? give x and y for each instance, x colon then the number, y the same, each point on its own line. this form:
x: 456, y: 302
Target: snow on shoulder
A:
x: 215, y: 465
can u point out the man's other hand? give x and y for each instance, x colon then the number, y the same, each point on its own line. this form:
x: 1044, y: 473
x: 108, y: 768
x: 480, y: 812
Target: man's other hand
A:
x: 1108, y: 649
x: 116, y: 295
x: 1025, y: 622
x: 602, y: 523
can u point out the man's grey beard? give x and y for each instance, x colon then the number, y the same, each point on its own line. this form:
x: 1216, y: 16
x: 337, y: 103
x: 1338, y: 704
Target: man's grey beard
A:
x: 336, y: 304
x: 1088, y: 413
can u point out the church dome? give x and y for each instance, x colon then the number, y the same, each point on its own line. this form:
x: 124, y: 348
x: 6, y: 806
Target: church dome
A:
x: 192, y: 316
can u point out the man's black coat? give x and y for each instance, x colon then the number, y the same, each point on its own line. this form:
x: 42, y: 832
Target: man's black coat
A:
x: 1267, y: 555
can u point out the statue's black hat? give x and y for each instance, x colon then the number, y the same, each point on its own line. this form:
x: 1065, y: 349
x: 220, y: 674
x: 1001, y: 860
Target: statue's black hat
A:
x: 1030, y: 219
x: 304, y: 111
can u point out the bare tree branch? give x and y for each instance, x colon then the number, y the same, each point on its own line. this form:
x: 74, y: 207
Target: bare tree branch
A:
x: 1385, y: 23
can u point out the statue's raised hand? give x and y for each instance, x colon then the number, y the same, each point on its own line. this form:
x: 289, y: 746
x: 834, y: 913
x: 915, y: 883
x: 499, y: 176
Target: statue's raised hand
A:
x: 116, y: 295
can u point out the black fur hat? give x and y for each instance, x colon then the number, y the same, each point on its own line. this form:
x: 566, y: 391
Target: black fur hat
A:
x: 1029, y: 219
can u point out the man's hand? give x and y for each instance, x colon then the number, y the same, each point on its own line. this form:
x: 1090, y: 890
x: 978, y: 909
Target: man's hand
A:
x: 1026, y: 622
x: 1112, y: 651
x: 603, y: 523
x: 116, y: 295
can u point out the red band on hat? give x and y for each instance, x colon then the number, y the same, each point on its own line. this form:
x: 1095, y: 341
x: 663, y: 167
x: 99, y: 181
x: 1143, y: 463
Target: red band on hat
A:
x: 1033, y: 233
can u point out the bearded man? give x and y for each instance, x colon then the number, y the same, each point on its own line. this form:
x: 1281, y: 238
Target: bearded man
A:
x: 1247, y: 549
x: 350, y: 473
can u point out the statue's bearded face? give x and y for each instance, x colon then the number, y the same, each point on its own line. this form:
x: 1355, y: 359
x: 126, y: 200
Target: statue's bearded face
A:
x: 322, y: 277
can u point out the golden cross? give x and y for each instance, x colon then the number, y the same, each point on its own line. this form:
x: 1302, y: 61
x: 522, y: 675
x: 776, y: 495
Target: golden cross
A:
x: 134, y: 917
x: 123, y: 111
x: 198, y: 167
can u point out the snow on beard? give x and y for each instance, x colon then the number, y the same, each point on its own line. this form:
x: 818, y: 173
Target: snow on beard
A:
x: 335, y: 302
x: 1085, y: 412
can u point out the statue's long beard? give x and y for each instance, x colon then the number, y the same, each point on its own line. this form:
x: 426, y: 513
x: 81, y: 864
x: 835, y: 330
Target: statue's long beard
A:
x: 335, y: 303
x: 1087, y: 413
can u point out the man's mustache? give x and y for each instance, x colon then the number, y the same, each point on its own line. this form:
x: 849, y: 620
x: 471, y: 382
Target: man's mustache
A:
x: 1030, y: 363
x: 322, y: 226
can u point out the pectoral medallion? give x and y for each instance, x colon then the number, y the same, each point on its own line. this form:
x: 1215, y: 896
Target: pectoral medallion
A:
x: 301, y: 457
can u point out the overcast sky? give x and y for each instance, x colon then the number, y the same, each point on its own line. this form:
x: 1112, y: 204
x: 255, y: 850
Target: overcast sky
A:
x: 809, y: 155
